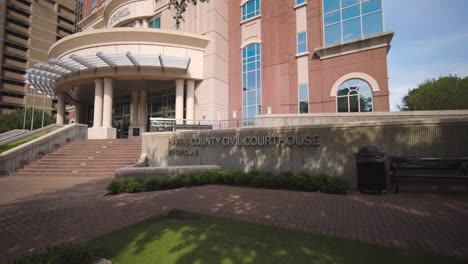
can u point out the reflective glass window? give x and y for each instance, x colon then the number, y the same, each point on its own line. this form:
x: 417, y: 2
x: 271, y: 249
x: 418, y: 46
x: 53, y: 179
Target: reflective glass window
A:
x: 346, y: 20
x: 301, y: 42
x: 354, y: 95
x: 251, y: 82
x: 250, y: 9
x: 303, y: 98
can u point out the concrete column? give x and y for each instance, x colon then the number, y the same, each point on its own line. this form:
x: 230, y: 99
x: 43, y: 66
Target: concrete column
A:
x: 145, y: 23
x: 60, y: 108
x: 98, y: 100
x: 138, y: 23
x: 107, y: 108
x: 77, y: 113
x: 179, y: 100
x: 190, y: 101
x: 143, y: 107
x: 134, y: 121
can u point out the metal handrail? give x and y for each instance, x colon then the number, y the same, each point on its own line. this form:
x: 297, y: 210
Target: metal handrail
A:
x: 172, y: 124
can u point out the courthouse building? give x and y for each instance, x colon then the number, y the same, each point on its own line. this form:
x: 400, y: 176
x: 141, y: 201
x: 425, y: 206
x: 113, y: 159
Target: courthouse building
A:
x: 229, y: 59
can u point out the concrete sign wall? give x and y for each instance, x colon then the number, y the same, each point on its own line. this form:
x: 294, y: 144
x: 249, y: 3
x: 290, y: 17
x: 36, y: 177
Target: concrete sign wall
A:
x: 319, y: 148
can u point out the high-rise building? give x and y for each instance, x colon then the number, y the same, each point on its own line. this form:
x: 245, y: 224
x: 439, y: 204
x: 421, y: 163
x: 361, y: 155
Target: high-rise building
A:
x: 230, y: 59
x: 28, y: 28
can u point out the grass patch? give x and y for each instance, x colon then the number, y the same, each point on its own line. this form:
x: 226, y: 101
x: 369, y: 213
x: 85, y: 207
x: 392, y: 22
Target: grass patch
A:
x: 7, y: 147
x: 180, y: 237
x: 306, y: 182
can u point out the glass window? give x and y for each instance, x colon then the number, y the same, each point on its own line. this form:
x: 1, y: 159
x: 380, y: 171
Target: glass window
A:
x: 93, y: 4
x: 372, y: 23
x: 251, y: 82
x: 346, y: 20
x: 250, y: 9
x: 303, y: 98
x: 354, y: 95
x: 298, y: 2
x: 155, y: 23
x: 331, y: 5
x: 301, y: 42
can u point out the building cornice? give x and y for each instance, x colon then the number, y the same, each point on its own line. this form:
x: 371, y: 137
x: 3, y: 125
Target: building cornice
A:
x: 103, y: 37
x: 381, y: 40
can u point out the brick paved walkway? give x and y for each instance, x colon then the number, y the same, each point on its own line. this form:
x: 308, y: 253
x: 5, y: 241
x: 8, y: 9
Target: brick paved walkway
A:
x: 35, y: 212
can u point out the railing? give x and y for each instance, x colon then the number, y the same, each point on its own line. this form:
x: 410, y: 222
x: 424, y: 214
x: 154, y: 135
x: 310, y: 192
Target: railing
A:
x: 16, y: 158
x: 171, y: 124
x: 29, y: 134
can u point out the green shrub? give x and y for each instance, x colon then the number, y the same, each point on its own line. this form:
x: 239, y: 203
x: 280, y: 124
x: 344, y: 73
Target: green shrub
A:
x: 259, y: 179
x: 244, y: 179
x: 63, y: 254
x: 229, y: 177
x: 301, y: 182
x: 117, y: 186
x: 153, y: 184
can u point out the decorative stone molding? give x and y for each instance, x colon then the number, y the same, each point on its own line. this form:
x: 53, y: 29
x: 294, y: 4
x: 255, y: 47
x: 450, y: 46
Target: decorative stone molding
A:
x: 367, y: 43
x: 355, y: 75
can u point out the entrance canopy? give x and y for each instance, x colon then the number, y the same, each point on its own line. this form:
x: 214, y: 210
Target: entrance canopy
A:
x: 44, y: 75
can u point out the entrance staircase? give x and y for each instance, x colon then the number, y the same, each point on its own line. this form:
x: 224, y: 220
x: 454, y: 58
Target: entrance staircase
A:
x: 86, y: 158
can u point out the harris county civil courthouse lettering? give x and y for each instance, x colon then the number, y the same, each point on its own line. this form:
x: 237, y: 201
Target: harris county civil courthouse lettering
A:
x: 230, y: 59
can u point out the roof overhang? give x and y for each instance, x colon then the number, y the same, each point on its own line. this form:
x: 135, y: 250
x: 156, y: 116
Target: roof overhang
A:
x: 44, y: 76
x: 381, y: 40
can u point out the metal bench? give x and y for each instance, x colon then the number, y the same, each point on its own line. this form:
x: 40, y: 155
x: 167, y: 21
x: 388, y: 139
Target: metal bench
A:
x: 428, y: 168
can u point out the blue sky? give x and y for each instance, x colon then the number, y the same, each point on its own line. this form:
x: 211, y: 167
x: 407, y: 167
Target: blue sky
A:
x: 431, y: 40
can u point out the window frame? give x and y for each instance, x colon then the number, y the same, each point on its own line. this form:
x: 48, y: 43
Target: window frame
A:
x: 245, y: 61
x: 341, y: 20
x: 93, y: 4
x: 306, y: 85
x: 305, y: 42
x: 158, y: 16
x: 301, y: 2
x: 359, y: 94
x: 256, y: 12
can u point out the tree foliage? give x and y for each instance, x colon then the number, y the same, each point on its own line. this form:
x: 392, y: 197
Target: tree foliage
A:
x: 15, y: 120
x: 180, y: 6
x: 446, y: 93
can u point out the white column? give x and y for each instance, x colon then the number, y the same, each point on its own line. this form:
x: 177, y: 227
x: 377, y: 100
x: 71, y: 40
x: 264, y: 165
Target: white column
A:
x: 107, y: 108
x: 98, y: 94
x: 145, y: 23
x: 138, y: 23
x: 179, y: 100
x: 135, y: 98
x: 60, y: 108
x: 190, y: 101
x: 143, y: 107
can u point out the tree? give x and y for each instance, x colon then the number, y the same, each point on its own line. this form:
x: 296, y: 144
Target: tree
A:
x: 180, y: 6
x: 446, y: 93
x: 15, y: 120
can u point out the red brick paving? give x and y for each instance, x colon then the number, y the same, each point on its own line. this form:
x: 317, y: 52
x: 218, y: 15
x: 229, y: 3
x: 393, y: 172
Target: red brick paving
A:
x: 37, y: 212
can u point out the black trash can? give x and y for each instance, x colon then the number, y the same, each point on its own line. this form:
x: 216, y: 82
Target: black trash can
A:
x: 371, y: 172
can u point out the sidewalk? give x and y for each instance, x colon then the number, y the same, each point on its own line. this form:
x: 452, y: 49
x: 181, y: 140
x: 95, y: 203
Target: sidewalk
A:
x: 74, y: 211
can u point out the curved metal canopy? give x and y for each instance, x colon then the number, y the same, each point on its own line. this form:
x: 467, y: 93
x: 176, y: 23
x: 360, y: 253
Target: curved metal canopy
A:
x: 44, y: 75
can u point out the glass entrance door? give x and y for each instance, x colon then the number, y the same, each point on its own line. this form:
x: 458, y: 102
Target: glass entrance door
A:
x: 162, y: 104
x: 121, y: 117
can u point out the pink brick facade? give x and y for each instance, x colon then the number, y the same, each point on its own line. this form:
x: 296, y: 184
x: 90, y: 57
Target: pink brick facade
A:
x: 279, y: 62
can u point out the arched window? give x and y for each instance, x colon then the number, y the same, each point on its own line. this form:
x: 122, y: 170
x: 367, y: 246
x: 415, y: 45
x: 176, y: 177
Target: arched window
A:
x: 354, y: 95
x: 250, y: 9
x: 251, y: 81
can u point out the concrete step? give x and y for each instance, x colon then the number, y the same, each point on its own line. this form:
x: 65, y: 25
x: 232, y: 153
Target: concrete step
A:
x: 70, y: 170
x: 86, y: 158
x: 79, y: 163
x: 76, y: 166
x: 107, y: 174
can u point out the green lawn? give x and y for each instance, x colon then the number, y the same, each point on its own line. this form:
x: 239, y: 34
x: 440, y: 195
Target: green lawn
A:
x: 193, y: 238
